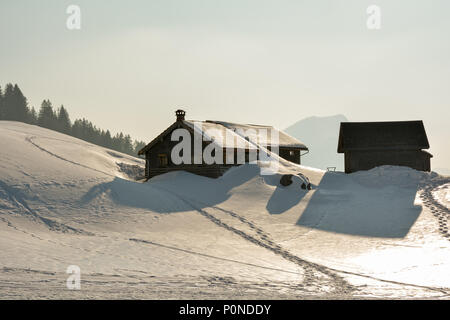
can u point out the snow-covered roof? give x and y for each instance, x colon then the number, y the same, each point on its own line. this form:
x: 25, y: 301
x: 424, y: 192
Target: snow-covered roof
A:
x: 221, y: 135
x: 241, y: 136
x: 263, y: 135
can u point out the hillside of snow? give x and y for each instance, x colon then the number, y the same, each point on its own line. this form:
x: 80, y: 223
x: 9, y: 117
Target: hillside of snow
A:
x: 382, y: 233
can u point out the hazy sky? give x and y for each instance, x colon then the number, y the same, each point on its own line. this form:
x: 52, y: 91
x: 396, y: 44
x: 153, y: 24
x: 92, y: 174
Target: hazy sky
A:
x: 271, y: 62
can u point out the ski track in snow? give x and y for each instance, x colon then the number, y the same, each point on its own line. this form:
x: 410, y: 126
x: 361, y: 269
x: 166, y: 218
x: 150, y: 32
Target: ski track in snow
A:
x: 209, y: 256
x: 341, y: 287
x: 30, y: 140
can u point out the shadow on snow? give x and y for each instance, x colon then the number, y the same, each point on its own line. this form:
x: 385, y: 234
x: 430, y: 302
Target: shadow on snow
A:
x: 351, y: 205
x: 171, y: 192
x: 347, y: 204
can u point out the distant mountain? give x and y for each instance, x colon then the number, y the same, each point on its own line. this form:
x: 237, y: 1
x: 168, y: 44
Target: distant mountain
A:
x: 320, y: 134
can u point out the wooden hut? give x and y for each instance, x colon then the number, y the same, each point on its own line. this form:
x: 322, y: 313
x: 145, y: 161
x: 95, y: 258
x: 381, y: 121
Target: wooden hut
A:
x: 158, y: 151
x: 370, y: 144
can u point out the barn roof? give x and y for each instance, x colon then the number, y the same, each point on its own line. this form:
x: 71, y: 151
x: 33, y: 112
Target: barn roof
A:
x: 234, y: 135
x: 208, y: 130
x: 262, y: 135
x: 382, y: 135
x: 230, y: 139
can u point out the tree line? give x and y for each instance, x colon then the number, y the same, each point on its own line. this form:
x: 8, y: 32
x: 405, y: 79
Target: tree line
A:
x: 14, y: 107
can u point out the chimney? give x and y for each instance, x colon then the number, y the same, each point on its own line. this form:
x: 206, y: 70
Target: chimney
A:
x: 180, y: 114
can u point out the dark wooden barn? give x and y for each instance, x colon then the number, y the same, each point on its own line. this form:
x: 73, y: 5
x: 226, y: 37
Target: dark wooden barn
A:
x: 158, y: 151
x: 370, y: 144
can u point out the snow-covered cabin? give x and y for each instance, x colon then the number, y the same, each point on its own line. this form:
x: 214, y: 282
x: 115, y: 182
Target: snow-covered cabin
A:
x: 243, y: 139
x: 370, y: 144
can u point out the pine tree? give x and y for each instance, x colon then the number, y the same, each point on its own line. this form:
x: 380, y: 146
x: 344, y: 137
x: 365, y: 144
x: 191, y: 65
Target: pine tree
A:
x: 20, y: 105
x: 64, y: 124
x: 32, y: 116
x: 15, y: 105
x: 8, y: 102
x: 128, y: 145
x: 76, y: 129
x: 107, y: 140
x: 47, y: 117
x: 138, y: 145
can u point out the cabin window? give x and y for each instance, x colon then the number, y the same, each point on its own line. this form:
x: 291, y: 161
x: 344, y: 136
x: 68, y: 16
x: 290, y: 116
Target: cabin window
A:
x: 162, y: 160
x: 291, y: 153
